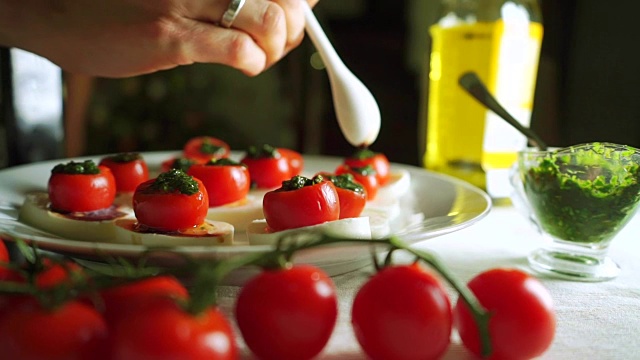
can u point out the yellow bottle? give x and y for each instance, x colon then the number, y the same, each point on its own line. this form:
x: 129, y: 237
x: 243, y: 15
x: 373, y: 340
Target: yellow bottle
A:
x: 499, y: 40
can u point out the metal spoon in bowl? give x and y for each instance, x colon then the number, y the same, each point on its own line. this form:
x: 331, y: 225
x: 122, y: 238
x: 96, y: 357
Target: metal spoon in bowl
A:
x: 474, y: 86
x: 356, y: 108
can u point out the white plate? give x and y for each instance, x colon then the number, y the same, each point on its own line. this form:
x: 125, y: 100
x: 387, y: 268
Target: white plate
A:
x: 448, y: 205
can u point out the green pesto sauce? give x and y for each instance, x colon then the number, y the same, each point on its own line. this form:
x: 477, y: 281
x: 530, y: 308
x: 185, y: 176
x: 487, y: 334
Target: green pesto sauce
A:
x: 346, y: 181
x: 264, y: 151
x: 298, y: 182
x: 223, y: 162
x: 207, y: 147
x: 363, y: 154
x: 175, y: 180
x: 125, y: 157
x: 365, y: 170
x: 588, y: 206
x: 87, y: 167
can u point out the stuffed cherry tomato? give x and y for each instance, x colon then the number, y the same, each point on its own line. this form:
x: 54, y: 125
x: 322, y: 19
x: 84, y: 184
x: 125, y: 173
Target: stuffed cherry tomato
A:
x: 182, y: 163
x: 171, y: 202
x: 205, y: 148
x: 226, y: 181
x: 365, y: 176
x: 352, y: 195
x: 129, y: 170
x: 378, y: 161
x: 81, y: 187
x: 296, y: 162
x: 267, y: 167
x: 301, y: 202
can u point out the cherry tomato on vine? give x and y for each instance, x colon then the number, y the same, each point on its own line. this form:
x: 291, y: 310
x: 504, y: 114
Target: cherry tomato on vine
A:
x: 402, y: 312
x: 129, y: 170
x: 287, y: 313
x: 163, y: 330
x: 226, y: 181
x: 73, y: 330
x: 78, y: 187
x: 267, y: 167
x: 5, y: 271
x: 120, y: 300
x: 301, y: 202
x: 295, y: 159
x: 351, y: 194
x: 173, y: 201
x: 378, y: 161
x: 205, y: 148
x: 365, y: 176
x: 522, y: 324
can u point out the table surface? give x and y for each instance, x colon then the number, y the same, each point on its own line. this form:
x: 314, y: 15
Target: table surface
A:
x: 594, y: 320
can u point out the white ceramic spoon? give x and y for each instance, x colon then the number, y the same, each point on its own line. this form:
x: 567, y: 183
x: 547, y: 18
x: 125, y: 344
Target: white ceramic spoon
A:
x: 356, y: 109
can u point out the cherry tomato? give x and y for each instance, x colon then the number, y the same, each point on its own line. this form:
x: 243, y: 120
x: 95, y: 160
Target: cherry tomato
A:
x: 205, y: 148
x: 163, y: 330
x: 56, y: 273
x: 351, y: 194
x: 378, y: 161
x: 402, y: 312
x: 287, y: 313
x: 129, y: 170
x: 120, y: 300
x: 171, y: 210
x: 296, y: 162
x: 5, y: 271
x: 72, y: 331
x: 267, y: 167
x: 82, y: 192
x: 365, y: 176
x: 181, y: 163
x: 301, y: 202
x: 522, y: 324
x: 226, y: 181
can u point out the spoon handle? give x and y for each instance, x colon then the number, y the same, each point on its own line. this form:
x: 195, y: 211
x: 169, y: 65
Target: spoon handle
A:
x: 474, y: 86
x: 319, y: 39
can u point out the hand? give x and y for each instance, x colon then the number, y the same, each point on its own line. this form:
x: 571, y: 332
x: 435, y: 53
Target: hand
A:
x: 120, y: 38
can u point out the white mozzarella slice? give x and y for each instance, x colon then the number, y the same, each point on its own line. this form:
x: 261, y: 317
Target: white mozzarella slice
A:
x: 389, y: 207
x: 240, y: 213
x: 35, y: 212
x: 399, y: 184
x: 259, y: 233
x: 379, y: 223
x: 208, y: 234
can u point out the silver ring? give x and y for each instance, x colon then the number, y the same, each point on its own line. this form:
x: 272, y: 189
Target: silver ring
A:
x: 232, y: 12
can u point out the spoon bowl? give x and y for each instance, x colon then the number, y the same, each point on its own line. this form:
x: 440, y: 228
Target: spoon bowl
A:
x: 356, y: 109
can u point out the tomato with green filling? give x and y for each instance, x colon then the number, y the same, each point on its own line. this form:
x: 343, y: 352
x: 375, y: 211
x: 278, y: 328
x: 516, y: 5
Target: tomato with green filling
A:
x: 81, y: 187
x: 171, y: 202
x: 182, y: 163
x: 205, y: 148
x: 227, y: 181
x: 268, y: 168
x: 378, y: 161
x: 129, y: 170
x: 366, y: 176
x: 301, y: 202
x: 295, y: 159
x: 352, y: 195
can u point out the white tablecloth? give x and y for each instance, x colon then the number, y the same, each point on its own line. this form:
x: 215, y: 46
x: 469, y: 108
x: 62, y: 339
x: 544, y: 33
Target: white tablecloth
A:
x: 594, y: 320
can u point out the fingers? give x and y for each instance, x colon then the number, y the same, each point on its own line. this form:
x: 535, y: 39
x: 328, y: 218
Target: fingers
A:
x: 276, y: 26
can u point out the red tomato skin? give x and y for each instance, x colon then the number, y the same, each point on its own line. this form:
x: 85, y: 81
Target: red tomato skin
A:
x: 128, y: 175
x: 310, y: 205
x: 5, y: 272
x: 170, y: 211
x: 72, y: 331
x: 162, y: 330
x: 192, y: 149
x: 402, y: 312
x: 379, y: 162
x: 287, y: 313
x: 267, y: 172
x: 369, y: 182
x: 82, y: 192
x: 225, y: 183
x: 522, y: 325
x: 351, y: 203
x: 295, y: 160
x: 119, y: 301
